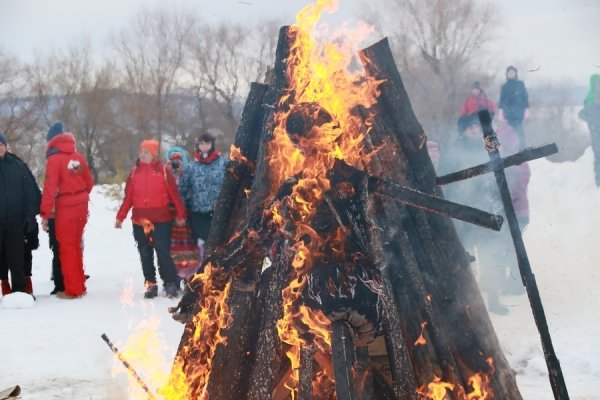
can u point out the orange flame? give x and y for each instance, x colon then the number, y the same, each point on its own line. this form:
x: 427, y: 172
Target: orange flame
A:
x: 436, y: 390
x: 480, y: 383
x: 421, y: 340
x: 235, y: 154
x: 209, y: 323
x: 318, y: 123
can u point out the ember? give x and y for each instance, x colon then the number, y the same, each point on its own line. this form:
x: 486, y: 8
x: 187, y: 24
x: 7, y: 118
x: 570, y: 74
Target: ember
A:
x: 329, y: 178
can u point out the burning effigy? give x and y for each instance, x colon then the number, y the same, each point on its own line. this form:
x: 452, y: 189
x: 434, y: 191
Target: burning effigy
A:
x: 366, y: 292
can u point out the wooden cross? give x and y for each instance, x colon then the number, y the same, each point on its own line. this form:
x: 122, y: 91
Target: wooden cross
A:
x: 497, y: 165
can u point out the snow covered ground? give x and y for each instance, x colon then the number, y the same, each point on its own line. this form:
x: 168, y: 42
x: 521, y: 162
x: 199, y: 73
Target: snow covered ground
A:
x: 54, y: 350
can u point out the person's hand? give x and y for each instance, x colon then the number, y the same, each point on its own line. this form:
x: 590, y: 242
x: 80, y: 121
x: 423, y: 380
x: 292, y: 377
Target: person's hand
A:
x: 501, y: 115
x: 29, y: 224
x: 45, y: 224
x: 527, y: 114
x: 180, y: 221
x: 118, y: 224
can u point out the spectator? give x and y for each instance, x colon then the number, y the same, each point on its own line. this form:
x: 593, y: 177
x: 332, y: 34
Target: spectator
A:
x: 200, y: 185
x: 66, y: 194
x: 178, y: 161
x: 150, y: 190
x: 514, y: 103
x: 18, y: 206
x: 477, y: 101
x: 591, y: 114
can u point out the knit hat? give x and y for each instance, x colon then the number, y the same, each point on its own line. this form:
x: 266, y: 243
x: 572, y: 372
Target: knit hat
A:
x: 151, y: 146
x: 476, y: 85
x: 55, y: 130
x: 513, y: 68
x: 3, y: 139
x: 177, y: 153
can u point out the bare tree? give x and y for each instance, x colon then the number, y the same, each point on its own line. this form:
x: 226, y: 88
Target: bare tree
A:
x: 18, y: 120
x: 440, y: 47
x: 68, y: 86
x: 225, y: 59
x: 150, y: 57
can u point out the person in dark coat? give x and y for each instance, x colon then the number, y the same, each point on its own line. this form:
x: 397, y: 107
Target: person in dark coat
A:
x: 591, y: 115
x: 150, y: 190
x: 514, y: 103
x: 18, y: 208
x: 200, y: 186
x: 493, y: 251
x: 31, y: 241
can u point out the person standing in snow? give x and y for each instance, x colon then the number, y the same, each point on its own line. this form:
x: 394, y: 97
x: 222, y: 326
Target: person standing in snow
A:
x: 200, y: 186
x: 66, y: 194
x: 477, y: 101
x: 591, y: 115
x: 514, y: 103
x: 150, y: 190
x: 19, y: 205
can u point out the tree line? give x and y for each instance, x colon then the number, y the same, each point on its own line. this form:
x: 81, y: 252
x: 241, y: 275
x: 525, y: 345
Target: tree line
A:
x: 169, y: 74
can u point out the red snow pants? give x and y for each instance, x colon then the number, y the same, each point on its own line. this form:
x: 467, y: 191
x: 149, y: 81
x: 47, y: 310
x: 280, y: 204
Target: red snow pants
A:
x: 70, y: 222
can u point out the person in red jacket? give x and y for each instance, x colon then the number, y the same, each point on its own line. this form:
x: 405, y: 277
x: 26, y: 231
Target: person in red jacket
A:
x: 67, y: 188
x: 150, y: 190
x: 477, y: 101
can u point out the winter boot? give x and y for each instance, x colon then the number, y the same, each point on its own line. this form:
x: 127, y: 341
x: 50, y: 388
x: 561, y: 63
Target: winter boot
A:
x: 151, y: 290
x: 28, y: 285
x: 171, y: 290
x: 5, y: 287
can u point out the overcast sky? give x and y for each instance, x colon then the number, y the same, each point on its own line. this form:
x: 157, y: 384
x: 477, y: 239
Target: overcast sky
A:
x: 562, y: 37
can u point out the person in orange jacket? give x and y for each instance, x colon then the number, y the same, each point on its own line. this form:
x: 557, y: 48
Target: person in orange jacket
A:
x: 67, y: 188
x: 150, y: 190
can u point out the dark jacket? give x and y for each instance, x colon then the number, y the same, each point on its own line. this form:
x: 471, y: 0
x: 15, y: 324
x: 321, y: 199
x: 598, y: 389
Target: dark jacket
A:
x: 18, y: 196
x: 514, y: 100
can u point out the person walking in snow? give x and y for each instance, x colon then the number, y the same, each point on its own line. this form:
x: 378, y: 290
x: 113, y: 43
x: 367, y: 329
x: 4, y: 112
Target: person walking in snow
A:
x: 514, y: 103
x: 591, y: 115
x: 150, y: 190
x: 67, y: 187
x: 200, y: 185
x: 477, y: 101
x: 19, y: 205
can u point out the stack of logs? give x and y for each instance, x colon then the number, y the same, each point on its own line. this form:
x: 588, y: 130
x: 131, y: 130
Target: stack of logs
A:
x: 427, y: 287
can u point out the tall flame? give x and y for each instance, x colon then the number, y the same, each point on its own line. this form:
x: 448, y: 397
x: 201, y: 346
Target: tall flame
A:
x: 318, y: 123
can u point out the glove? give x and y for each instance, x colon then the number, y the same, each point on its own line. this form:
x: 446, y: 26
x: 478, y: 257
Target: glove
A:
x: 29, y: 224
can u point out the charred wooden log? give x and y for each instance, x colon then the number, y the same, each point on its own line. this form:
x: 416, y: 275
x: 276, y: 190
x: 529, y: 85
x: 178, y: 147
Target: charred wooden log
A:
x: 435, y: 246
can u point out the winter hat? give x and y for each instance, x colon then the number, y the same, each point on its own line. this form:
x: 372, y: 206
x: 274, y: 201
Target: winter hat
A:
x: 476, y: 85
x: 177, y: 153
x: 55, y: 130
x: 513, y: 68
x: 151, y: 146
x: 3, y: 139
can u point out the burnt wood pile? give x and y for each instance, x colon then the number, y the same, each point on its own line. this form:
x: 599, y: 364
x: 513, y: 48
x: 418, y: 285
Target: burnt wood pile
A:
x: 379, y: 295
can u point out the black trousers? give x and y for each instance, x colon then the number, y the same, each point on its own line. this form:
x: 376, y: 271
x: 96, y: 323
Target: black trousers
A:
x: 158, y: 240
x: 200, y: 224
x: 57, y: 276
x: 12, y: 244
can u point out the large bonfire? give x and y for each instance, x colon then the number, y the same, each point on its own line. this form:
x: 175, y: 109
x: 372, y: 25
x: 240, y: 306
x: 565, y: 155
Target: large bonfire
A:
x: 305, y: 207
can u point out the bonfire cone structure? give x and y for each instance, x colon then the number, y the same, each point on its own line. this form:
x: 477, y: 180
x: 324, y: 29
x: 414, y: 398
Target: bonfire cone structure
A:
x: 366, y: 297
